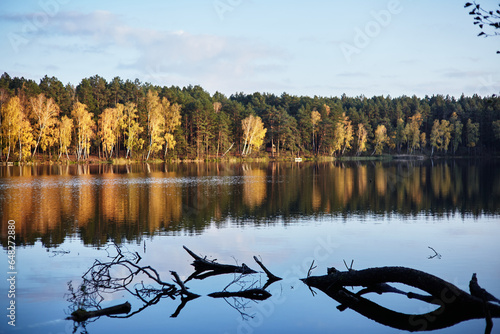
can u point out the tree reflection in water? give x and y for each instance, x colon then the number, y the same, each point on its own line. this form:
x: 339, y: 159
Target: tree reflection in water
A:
x: 144, y: 284
x: 454, y: 305
x: 98, y: 203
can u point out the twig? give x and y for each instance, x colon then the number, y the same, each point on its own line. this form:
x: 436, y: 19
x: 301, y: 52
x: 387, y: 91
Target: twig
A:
x: 184, y: 290
x: 59, y: 252
x: 436, y: 254
x: 348, y: 268
x: 311, y: 268
x: 269, y: 274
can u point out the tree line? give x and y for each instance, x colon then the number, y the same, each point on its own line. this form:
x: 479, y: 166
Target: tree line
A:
x: 131, y: 119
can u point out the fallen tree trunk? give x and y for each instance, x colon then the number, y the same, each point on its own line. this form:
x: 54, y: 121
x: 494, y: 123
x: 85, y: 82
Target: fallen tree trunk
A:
x: 212, y: 268
x: 81, y: 315
x: 255, y: 294
x: 455, y: 305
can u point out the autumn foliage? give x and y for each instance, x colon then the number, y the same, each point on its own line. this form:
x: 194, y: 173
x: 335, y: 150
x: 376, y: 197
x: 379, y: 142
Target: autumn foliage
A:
x: 130, y: 119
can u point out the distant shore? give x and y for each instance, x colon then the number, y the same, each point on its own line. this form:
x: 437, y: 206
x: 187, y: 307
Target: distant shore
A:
x: 94, y: 159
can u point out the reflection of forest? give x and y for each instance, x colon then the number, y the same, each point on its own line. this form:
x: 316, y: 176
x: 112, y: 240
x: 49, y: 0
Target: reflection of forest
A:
x: 104, y: 202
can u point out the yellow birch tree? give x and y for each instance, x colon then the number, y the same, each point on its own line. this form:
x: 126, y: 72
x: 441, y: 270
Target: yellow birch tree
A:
x: 120, y: 116
x: 348, y: 133
x: 108, y: 123
x: 338, y: 138
x: 132, y: 128
x: 84, y: 126
x: 25, y: 140
x: 441, y: 135
x: 380, y: 139
x: 65, y: 130
x: 423, y: 140
x: 44, y: 111
x: 16, y: 129
x: 253, y: 133
x: 343, y: 135
x: 362, y: 135
x: 172, y: 114
x: 413, y: 131
x: 11, y: 124
x: 155, y: 123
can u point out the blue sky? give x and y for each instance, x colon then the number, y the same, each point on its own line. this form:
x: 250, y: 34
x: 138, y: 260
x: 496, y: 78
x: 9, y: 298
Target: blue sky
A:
x: 316, y: 47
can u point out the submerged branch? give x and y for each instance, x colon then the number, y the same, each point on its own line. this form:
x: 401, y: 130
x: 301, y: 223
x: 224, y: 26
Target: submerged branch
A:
x: 455, y: 305
x: 271, y: 277
x: 82, y: 315
x: 202, y: 265
x: 254, y: 294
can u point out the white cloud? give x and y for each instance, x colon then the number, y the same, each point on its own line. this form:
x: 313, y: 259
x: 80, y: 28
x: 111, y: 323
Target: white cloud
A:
x: 165, y: 55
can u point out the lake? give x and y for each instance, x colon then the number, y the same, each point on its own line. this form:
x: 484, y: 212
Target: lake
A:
x: 437, y: 216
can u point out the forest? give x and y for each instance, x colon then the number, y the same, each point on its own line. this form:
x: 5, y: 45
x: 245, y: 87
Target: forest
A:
x: 128, y: 119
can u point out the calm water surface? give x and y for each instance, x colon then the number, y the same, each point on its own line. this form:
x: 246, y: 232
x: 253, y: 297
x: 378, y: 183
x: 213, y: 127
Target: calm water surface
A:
x: 288, y: 214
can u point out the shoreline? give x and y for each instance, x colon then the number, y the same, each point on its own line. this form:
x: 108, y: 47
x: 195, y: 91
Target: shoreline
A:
x: 123, y: 161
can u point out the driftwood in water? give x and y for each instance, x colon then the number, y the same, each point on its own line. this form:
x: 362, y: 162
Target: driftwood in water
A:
x: 254, y: 294
x: 205, y: 268
x: 186, y: 295
x: 122, y: 273
x: 211, y: 268
x: 455, y: 305
x: 184, y: 290
x: 479, y: 292
x: 386, y: 288
x: 486, y: 297
x: 270, y: 276
x: 81, y: 315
